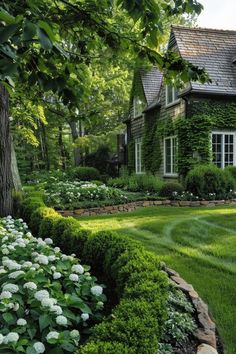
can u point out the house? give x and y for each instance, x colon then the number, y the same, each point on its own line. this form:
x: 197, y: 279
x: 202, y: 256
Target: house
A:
x: 169, y: 131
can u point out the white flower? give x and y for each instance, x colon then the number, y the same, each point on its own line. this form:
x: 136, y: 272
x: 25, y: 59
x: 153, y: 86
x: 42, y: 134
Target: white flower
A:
x: 41, y: 294
x: 16, y: 274
x: 47, y: 302
x: 5, y: 295
x: 42, y: 259
x: 73, y: 277
x: 74, y: 334
x: 5, y: 251
x: 52, y: 335
x: 2, y: 271
x: 96, y: 290
x: 27, y: 264
x: 56, y: 309
x: 16, y: 307
x: 10, y: 305
x: 48, y: 241
x: 11, y: 265
x: 56, y: 275
x: 1, y: 338
x: 21, y: 322
x: 30, y: 285
x: 13, y: 288
x: 53, y: 268
x: 85, y: 316
x: 11, y: 337
x: 57, y: 249
x: 39, y: 347
x: 51, y: 258
x: 61, y: 320
x: 77, y: 268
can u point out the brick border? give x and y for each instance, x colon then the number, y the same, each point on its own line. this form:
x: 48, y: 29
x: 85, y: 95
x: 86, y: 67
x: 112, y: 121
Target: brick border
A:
x: 206, y: 331
x: 121, y: 208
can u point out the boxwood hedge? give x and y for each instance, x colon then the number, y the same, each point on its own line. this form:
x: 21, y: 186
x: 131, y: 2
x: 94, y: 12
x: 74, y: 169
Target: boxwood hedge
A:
x: 131, y: 273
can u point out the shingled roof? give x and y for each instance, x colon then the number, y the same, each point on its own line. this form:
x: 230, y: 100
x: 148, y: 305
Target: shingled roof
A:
x: 212, y: 49
x: 151, y: 81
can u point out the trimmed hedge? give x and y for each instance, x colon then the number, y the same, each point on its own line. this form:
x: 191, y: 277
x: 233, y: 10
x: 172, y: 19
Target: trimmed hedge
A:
x: 85, y: 173
x: 130, y: 272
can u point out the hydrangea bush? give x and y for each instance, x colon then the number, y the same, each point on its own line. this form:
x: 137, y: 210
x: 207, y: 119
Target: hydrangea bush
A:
x: 47, y: 299
x: 59, y: 194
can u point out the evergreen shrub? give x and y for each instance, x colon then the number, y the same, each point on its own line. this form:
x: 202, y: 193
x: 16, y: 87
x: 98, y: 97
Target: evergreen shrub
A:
x: 85, y: 174
x: 169, y: 189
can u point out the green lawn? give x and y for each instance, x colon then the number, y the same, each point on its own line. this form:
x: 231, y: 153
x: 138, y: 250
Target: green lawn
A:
x: 199, y: 243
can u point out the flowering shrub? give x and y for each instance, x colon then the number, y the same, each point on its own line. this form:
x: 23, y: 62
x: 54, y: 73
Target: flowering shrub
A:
x: 47, y: 299
x: 59, y: 194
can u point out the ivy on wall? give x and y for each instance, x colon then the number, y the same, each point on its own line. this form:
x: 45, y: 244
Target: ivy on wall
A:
x: 151, y: 157
x: 131, y: 156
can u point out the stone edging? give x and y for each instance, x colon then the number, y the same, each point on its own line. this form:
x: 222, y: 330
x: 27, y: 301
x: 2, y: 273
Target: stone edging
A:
x: 206, y: 331
x: 112, y: 209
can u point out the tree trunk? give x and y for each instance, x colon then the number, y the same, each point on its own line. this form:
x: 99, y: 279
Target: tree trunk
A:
x: 75, y: 135
x: 62, y: 148
x: 5, y: 155
x: 14, y: 170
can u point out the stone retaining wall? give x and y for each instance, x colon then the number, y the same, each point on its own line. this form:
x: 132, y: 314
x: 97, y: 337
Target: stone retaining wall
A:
x: 206, y: 331
x: 113, y: 209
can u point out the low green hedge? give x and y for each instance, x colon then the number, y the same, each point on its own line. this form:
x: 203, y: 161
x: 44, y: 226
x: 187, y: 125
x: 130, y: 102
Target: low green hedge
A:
x: 133, y: 274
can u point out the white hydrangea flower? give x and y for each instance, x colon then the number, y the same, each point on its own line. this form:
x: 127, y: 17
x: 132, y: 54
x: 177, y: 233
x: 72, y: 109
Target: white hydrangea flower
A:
x: 48, y: 241
x: 30, y: 285
x: 21, y: 322
x: 2, y: 271
x: 56, y: 275
x: 42, y: 259
x: 57, y: 249
x: 41, y: 294
x: 52, y: 335
x: 10, y: 305
x: 5, y: 295
x: 96, y: 290
x: 13, y: 288
x: 77, y: 268
x: 27, y: 264
x: 74, y: 334
x: 47, y: 302
x: 61, y: 320
x: 11, y: 337
x: 16, y: 274
x: 56, y: 309
x: 53, y: 268
x: 5, y: 251
x: 1, y: 338
x: 11, y: 265
x: 39, y: 347
x: 73, y: 277
x: 85, y: 316
x: 16, y: 307
x: 51, y: 258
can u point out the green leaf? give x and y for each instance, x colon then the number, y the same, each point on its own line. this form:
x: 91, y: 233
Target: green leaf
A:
x: 47, y: 28
x: 32, y: 331
x: 6, y: 17
x: 44, y: 39
x: 7, y: 32
x: 69, y: 347
x: 31, y: 350
x: 9, y: 318
x: 29, y: 30
x: 44, y: 321
x: 55, y: 351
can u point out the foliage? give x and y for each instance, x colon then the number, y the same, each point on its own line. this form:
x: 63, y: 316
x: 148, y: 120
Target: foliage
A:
x: 232, y: 171
x: 131, y: 155
x: 206, y: 179
x: 47, y: 297
x: 66, y: 194
x: 137, y: 183
x: 169, y: 189
x: 85, y: 173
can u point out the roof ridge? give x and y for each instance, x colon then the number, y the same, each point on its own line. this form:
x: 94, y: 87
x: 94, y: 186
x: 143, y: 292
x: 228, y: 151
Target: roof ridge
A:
x: 203, y: 29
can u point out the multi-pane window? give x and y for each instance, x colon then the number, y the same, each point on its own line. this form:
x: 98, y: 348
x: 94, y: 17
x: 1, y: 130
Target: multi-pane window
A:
x: 223, y: 150
x: 170, y: 152
x: 138, y: 155
x: 138, y: 106
x: 171, y: 94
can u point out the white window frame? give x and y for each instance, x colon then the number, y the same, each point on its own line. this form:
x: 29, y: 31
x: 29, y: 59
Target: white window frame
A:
x: 223, y: 133
x: 138, y: 164
x: 174, y: 101
x: 170, y: 174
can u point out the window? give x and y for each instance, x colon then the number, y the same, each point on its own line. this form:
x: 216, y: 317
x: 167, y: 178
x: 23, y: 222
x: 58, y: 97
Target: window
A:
x: 171, y: 95
x: 138, y: 106
x: 223, y: 148
x: 138, y: 155
x: 170, y: 152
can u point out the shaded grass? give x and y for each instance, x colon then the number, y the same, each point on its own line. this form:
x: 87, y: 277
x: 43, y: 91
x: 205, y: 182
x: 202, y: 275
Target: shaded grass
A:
x: 199, y: 243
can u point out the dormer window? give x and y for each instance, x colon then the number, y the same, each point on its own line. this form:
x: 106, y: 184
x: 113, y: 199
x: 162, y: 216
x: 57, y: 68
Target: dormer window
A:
x: 138, y: 106
x: 171, y: 95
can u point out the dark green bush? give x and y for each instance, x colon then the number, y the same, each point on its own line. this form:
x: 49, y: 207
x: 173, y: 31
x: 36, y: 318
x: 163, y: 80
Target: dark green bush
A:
x: 47, y: 225
x: 169, y: 188
x: 85, y: 174
x: 17, y: 198
x: 29, y: 205
x: 232, y: 171
x: 207, y: 180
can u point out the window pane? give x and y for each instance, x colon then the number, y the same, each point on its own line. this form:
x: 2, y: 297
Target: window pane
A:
x: 168, y: 155
x: 175, y: 94
x: 217, y: 149
x: 138, y: 157
x: 229, y: 150
x: 169, y: 94
x: 174, y: 162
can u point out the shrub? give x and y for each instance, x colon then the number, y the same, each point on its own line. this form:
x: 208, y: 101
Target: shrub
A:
x: 137, y: 183
x: 232, y: 171
x: 85, y: 173
x: 205, y: 180
x: 170, y: 189
x: 110, y: 347
x: 38, y: 215
x: 29, y: 205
